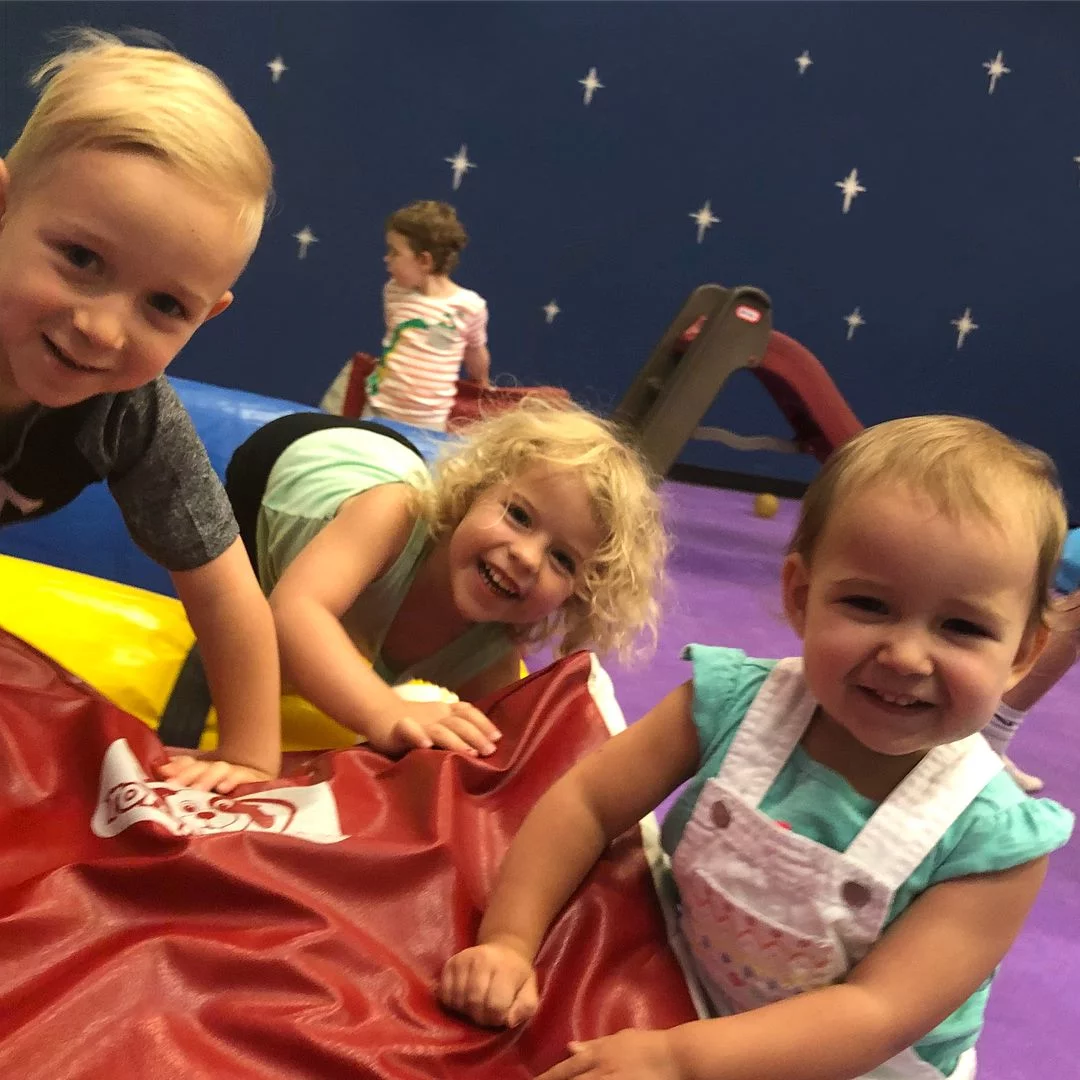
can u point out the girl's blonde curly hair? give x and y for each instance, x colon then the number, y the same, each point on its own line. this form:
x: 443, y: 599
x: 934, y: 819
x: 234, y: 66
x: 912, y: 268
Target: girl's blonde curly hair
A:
x: 617, y: 597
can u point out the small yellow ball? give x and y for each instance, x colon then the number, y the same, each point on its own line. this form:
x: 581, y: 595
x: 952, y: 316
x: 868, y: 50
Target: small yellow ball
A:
x: 766, y: 505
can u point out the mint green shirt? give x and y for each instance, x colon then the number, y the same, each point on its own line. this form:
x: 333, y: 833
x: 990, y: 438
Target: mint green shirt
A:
x: 306, y: 488
x: 1003, y: 827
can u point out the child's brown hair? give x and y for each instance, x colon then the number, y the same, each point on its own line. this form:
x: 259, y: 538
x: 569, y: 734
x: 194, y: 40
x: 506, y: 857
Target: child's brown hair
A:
x: 432, y: 227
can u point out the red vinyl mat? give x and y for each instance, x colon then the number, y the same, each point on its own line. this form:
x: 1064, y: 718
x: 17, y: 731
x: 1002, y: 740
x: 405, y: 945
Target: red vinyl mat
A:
x: 295, y: 929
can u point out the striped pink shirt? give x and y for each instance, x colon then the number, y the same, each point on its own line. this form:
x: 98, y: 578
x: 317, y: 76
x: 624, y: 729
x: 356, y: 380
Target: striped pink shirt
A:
x: 425, y: 343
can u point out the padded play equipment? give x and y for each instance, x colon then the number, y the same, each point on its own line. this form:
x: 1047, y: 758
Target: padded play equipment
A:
x: 472, y: 400
x: 295, y: 928
x: 129, y: 644
x: 717, y: 332
x: 89, y: 535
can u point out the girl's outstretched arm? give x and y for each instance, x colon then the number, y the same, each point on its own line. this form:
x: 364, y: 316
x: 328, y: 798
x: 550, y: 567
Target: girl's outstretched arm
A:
x: 563, y: 836
x: 320, y: 660
x: 929, y: 962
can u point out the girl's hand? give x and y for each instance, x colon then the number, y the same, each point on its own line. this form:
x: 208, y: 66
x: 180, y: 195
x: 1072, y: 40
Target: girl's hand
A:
x: 454, y: 726
x: 491, y: 984
x: 208, y: 773
x: 629, y: 1055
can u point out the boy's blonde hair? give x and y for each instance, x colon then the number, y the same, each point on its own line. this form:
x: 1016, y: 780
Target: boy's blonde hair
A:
x: 964, y: 466
x: 617, y: 597
x: 432, y: 227
x: 101, y: 93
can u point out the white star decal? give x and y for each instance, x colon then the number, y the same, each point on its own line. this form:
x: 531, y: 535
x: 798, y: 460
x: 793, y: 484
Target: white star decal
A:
x: 705, y: 219
x: 277, y: 68
x: 803, y: 61
x: 305, y: 238
x: 851, y: 187
x: 964, y: 325
x: 550, y: 310
x: 854, y: 321
x: 996, y: 69
x: 460, y: 164
x: 591, y: 84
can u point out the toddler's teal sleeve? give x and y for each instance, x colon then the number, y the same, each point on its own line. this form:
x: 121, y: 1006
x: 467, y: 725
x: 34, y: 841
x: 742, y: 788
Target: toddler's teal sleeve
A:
x: 1001, y: 829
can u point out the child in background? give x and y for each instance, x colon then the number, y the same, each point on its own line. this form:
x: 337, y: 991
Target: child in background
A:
x: 130, y: 204
x: 434, y: 327
x: 540, y: 523
x: 852, y: 859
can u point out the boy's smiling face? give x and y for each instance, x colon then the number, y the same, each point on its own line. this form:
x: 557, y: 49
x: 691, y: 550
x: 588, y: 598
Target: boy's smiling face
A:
x: 109, y: 261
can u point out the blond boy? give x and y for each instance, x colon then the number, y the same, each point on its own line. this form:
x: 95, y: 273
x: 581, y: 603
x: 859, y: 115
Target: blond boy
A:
x: 129, y: 206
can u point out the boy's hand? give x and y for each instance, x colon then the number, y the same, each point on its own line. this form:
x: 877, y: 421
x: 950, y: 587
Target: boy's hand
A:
x: 629, y: 1055
x: 234, y: 627
x: 492, y: 984
x: 207, y: 773
x: 454, y: 726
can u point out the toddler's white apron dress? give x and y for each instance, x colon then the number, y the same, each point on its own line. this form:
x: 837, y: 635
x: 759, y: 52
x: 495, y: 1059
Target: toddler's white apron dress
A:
x: 768, y: 913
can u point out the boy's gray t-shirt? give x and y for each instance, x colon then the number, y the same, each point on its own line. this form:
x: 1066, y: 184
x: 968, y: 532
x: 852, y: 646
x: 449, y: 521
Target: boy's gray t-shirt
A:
x: 143, y: 444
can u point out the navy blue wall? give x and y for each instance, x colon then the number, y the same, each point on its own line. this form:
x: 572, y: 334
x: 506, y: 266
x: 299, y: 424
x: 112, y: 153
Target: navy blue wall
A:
x: 972, y: 199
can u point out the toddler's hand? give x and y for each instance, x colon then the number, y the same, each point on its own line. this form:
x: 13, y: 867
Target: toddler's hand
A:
x: 491, y: 984
x: 453, y: 725
x: 207, y: 773
x: 630, y: 1055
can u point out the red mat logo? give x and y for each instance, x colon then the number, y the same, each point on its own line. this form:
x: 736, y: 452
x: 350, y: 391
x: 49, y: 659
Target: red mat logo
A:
x: 127, y: 795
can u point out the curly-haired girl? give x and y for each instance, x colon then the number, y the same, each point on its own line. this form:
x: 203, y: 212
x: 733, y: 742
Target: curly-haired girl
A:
x: 540, y: 525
